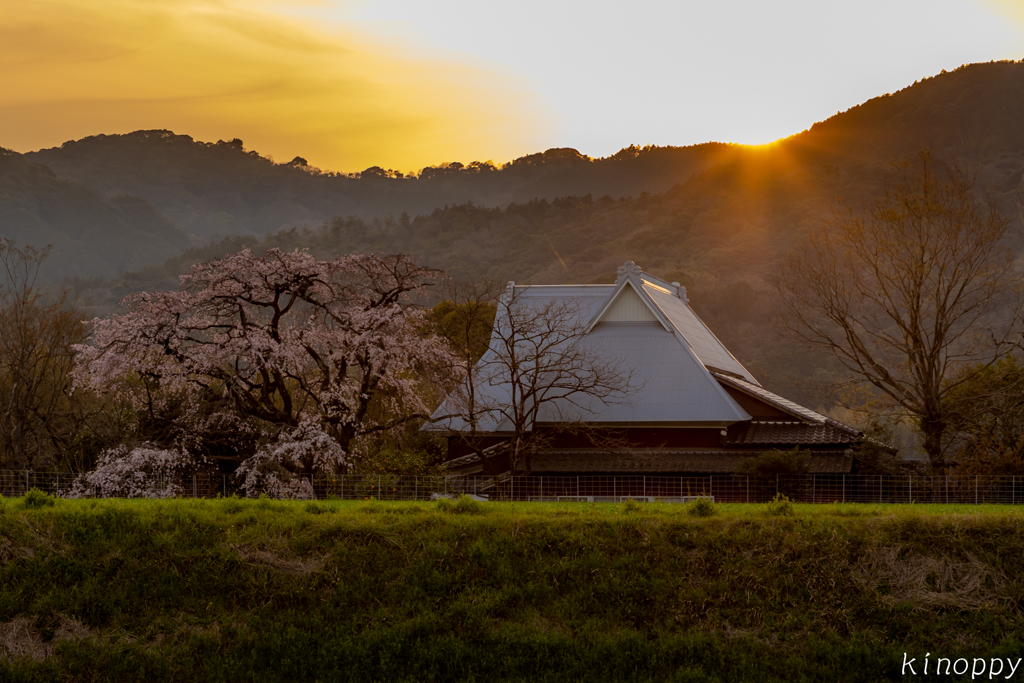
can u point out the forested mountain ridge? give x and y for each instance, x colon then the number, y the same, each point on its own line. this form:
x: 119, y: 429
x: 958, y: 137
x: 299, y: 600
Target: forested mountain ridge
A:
x: 721, y: 232
x: 720, y: 193
x: 217, y: 189
x: 91, y: 234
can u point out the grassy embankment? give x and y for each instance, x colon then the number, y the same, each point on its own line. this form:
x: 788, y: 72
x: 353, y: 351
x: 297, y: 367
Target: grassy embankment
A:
x: 235, y: 590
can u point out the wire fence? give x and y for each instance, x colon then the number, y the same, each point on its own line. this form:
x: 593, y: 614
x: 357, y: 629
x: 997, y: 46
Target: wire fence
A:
x: 809, y: 488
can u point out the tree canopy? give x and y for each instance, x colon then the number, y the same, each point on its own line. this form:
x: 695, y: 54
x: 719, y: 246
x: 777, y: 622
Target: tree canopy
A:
x: 310, y: 354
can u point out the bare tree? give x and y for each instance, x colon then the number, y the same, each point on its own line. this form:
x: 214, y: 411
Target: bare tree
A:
x: 36, y: 358
x: 911, y: 293
x: 538, y: 378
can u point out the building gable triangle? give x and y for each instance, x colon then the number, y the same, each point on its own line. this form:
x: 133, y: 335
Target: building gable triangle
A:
x: 627, y: 304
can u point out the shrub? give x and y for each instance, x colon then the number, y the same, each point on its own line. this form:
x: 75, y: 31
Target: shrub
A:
x: 314, y: 508
x: 630, y: 507
x: 264, y: 475
x: 466, y: 505
x: 775, y: 462
x: 145, y: 471
x: 780, y: 506
x: 702, y: 507
x: 36, y: 499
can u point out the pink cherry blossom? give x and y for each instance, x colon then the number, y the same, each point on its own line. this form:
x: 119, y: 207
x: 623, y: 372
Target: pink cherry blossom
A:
x: 317, y: 353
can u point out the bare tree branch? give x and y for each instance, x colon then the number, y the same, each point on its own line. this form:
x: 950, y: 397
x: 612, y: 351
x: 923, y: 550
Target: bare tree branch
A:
x: 910, y: 293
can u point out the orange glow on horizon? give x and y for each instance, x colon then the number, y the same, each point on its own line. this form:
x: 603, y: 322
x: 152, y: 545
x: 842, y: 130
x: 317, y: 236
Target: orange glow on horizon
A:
x: 221, y: 69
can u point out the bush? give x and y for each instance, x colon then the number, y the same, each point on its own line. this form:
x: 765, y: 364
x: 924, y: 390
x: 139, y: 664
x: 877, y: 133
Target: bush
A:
x: 314, y: 508
x: 780, y: 506
x: 36, y: 499
x: 630, y: 507
x: 702, y: 507
x: 775, y: 462
x: 466, y: 505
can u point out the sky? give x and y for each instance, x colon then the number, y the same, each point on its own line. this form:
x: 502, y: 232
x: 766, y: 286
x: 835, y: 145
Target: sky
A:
x: 402, y: 84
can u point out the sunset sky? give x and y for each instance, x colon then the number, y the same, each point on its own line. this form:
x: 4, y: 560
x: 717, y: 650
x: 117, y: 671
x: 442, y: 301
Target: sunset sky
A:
x: 402, y: 84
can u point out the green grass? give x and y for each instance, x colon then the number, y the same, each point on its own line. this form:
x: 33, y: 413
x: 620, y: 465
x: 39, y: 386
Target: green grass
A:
x: 262, y: 590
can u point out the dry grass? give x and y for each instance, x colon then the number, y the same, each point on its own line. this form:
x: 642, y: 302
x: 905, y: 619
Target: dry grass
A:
x: 9, y: 551
x: 20, y: 637
x: 260, y: 557
x: 925, y: 581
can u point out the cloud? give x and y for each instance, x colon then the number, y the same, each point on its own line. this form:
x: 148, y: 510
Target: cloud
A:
x: 236, y: 68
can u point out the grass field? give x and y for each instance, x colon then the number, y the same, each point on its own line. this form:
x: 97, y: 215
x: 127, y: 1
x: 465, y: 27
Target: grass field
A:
x: 261, y: 590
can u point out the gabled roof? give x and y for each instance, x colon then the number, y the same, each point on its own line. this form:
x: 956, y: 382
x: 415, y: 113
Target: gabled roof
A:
x: 647, y: 325
x: 669, y: 304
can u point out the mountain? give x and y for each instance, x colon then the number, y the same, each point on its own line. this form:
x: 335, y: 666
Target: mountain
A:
x: 720, y: 232
x: 91, y: 234
x: 720, y: 193
x: 217, y: 189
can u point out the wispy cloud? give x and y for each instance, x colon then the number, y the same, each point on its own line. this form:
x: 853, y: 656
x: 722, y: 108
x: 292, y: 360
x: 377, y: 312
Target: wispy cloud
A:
x: 237, y: 68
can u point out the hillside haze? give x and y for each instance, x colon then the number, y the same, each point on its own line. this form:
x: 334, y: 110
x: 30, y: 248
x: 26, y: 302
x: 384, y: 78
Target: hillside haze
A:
x: 720, y: 230
x: 218, y: 189
x: 91, y: 233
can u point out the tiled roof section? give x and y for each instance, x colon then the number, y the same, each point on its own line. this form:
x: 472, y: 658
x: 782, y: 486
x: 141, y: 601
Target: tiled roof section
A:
x: 473, y: 458
x: 788, y: 433
x: 707, y: 461
x: 784, y: 404
x: 462, y: 462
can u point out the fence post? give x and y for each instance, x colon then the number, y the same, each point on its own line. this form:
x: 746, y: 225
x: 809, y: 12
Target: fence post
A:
x: 776, y: 485
x: 645, y: 486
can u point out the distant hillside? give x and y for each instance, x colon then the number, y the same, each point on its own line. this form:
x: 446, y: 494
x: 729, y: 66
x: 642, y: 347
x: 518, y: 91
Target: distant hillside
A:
x: 216, y: 189
x: 91, y: 234
x: 721, y: 232
x: 220, y: 189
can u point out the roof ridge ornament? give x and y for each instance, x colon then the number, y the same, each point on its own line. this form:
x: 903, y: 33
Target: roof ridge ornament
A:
x: 681, y: 292
x: 625, y: 270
